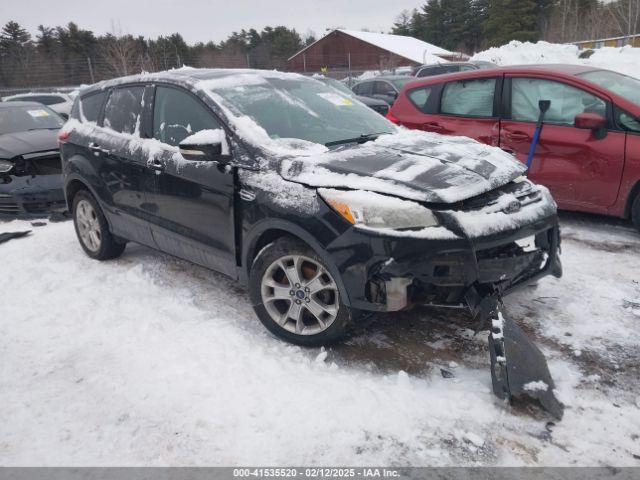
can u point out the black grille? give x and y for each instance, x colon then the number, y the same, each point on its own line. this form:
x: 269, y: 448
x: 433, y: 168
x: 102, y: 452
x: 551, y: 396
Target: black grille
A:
x: 523, y: 191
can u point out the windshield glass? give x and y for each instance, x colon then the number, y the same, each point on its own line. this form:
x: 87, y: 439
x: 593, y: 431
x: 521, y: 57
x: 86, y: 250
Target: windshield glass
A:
x: 20, y: 119
x: 627, y: 87
x: 300, y: 108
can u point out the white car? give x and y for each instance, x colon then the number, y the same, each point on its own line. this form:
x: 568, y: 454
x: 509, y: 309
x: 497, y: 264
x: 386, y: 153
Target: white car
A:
x: 58, y: 102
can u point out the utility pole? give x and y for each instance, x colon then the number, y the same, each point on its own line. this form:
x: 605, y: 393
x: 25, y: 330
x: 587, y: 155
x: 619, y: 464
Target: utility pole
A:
x: 91, y: 76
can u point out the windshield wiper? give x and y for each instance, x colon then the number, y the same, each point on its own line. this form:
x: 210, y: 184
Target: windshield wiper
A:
x: 43, y: 128
x: 365, y: 137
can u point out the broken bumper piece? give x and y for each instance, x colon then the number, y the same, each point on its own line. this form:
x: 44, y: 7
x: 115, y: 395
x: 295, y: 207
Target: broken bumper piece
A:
x: 518, y: 368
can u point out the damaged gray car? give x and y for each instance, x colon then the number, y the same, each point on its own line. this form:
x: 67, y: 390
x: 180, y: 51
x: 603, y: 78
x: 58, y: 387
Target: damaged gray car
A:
x: 30, y: 169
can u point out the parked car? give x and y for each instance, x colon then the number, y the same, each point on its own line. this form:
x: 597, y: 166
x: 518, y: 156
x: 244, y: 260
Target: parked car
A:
x: 589, y: 149
x: 384, y: 88
x: 30, y: 170
x: 322, y: 207
x: 375, y: 104
x: 451, y: 67
x: 58, y: 102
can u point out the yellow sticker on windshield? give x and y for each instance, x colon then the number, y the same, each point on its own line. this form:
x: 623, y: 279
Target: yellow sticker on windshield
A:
x: 38, y: 113
x: 336, y: 99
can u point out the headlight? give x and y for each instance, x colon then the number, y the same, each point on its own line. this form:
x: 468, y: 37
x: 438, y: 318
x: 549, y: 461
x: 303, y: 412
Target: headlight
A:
x: 373, y: 210
x: 5, y: 166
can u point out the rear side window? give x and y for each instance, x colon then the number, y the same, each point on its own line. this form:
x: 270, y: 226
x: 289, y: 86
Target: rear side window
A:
x: 123, y: 110
x: 177, y: 115
x: 566, y: 101
x: 363, y: 88
x: 470, y: 98
x: 90, y: 106
x: 420, y: 96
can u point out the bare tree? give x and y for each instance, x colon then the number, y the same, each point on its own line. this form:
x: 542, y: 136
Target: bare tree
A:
x: 626, y: 15
x: 121, y: 54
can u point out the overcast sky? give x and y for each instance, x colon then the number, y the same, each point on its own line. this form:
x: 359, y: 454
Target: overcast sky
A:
x: 204, y: 20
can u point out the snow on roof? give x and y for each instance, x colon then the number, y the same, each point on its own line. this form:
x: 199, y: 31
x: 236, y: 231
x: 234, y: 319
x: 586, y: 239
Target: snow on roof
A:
x: 407, y: 47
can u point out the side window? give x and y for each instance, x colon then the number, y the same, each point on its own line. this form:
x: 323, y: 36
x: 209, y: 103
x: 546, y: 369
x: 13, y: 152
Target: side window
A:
x: 627, y: 121
x: 123, y: 109
x: 566, y: 101
x: 363, y: 88
x: 90, y: 106
x: 420, y: 96
x: 471, y: 98
x: 177, y: 115
x: 383, y: 88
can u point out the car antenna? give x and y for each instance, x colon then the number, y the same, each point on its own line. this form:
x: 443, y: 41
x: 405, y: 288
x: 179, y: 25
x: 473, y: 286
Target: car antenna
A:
x: 543, y: 105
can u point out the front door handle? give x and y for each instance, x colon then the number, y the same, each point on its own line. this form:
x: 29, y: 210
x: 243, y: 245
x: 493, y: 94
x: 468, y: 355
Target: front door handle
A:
x: 432, y: 127
x: 156, y: 165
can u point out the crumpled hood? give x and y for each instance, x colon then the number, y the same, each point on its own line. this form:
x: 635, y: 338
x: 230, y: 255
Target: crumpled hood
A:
x: 411, y: 164
x: 20, y: 143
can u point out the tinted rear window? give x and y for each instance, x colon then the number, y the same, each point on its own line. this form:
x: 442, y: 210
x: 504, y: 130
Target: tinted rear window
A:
x: 44, y: 99
x: 123, y: 109
x: 90, y: 106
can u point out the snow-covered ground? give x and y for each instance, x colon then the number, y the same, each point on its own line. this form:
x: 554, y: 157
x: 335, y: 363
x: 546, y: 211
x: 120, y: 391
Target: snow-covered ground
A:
x: 149, y: 360
x: 625, y: 59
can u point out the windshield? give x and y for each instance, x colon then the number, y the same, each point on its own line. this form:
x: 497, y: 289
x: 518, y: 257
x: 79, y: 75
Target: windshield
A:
x: 301, y: 108
x: 21, y: 119
x: 627, y: 87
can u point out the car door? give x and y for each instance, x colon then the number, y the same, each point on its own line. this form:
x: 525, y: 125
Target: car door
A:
x: 383, y: 90
x: 192, y: 201
x: 582, y: 169
x: 467, y: 107
x: 124, y: 169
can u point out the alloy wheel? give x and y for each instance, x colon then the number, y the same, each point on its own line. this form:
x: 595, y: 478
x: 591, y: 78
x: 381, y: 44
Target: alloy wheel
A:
x: 88, y: 225
x: 300, y: 295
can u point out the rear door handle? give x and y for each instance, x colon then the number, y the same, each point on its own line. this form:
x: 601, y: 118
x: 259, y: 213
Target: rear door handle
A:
x: 518, y: 136
x: 94, y: 147
x: 433, y: 126
x: 509, y: 150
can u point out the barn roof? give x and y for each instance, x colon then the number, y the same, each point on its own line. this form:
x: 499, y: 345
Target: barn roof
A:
x: 407, y: 47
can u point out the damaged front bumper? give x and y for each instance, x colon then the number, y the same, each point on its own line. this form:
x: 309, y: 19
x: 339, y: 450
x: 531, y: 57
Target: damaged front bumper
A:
x: 440, y: 271
x: 31, y: 195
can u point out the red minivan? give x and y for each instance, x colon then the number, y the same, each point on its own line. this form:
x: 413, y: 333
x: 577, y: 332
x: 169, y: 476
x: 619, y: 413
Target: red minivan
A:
x: 588, y: 154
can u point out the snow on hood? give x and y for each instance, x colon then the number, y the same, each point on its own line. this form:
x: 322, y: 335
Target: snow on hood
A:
x: 412, y: 164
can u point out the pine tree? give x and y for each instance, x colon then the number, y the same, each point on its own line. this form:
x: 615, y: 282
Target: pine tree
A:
x: 13, y: 39
x: 511, y: 20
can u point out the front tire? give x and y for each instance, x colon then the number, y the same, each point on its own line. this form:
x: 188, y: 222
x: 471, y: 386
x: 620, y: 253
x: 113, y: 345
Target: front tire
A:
x: 92, y: 228
x: 295, y: 296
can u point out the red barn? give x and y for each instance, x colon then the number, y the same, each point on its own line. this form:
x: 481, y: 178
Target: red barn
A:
x: 355, y: 50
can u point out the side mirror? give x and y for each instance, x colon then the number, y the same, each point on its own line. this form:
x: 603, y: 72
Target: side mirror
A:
x: 591, y: 121
x: 206, y: 146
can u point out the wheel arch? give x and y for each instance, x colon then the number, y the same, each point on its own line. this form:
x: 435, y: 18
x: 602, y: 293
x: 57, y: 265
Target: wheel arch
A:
x: 268, y: 231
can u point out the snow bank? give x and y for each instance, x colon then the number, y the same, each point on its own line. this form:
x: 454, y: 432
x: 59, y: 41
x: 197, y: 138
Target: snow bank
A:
x: 624, y: 60
x: 148, y: 360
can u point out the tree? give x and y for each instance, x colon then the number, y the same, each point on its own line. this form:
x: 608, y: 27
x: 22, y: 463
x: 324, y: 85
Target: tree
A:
x: 403, y: 24
x: 509, y: 20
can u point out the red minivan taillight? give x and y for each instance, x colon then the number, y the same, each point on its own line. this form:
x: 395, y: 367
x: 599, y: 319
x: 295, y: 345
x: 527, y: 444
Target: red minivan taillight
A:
x: 391, y: 118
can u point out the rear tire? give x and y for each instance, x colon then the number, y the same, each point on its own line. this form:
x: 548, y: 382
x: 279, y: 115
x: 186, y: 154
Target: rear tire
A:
x: 635, y: 212
x: 92, y: 228
x: 295, y: 296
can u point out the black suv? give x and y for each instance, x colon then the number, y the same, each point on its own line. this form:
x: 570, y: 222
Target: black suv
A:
x: 322, y: 207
